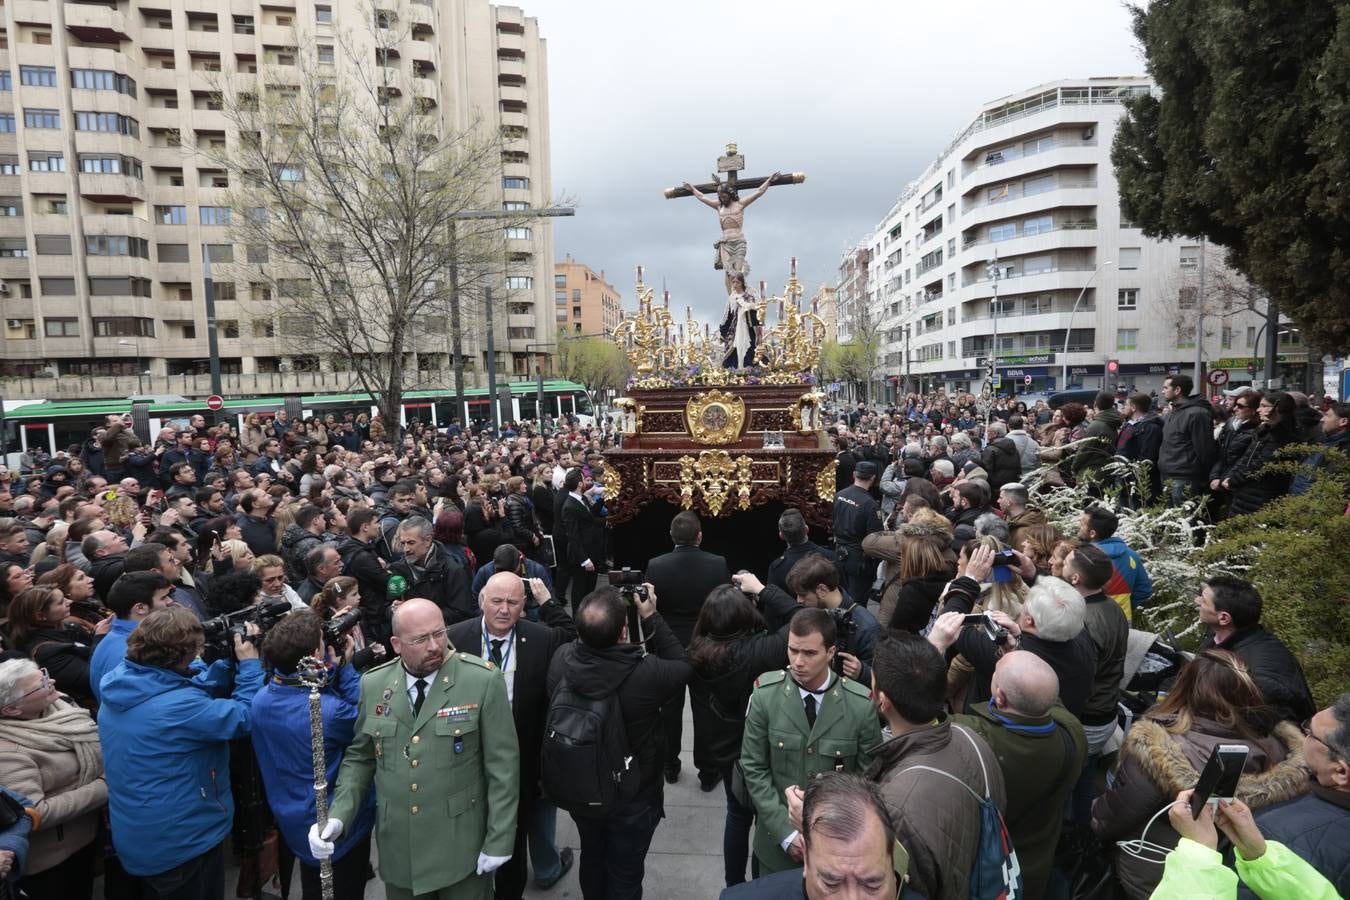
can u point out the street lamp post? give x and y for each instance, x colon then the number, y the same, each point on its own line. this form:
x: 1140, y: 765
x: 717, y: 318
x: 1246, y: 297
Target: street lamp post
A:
x: 992, y: 270
x: 1064, y: 357
x: 140, y: 384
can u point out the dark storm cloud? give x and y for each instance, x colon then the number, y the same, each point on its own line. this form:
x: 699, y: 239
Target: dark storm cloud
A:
x: 861, y: 96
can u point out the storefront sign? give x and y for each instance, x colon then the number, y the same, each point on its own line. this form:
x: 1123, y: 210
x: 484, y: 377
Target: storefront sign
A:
x: 1150, y: 369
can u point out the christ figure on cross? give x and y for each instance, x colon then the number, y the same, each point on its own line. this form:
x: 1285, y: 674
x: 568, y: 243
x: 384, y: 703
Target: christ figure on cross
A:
x: 730, y: 256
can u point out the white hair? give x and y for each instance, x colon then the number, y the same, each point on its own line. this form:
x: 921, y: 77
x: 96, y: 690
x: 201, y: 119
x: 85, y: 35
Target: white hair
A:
x: 991, y: 524
x: 959, y: 439
x: 1056, y: 608
x: 13, y: 673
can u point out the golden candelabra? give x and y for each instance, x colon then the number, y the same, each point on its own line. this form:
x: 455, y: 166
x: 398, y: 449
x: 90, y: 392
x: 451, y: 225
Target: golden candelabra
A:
x: 661, y: 353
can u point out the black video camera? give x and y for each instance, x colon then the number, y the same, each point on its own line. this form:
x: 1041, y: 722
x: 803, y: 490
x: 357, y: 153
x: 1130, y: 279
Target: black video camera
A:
x: 219, y: 632
x: 335, y: 629
x: 845, y: 629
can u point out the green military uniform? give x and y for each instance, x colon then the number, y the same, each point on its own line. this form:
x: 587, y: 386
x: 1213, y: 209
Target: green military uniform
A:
x: 447, y: 781
x: 780, y: 750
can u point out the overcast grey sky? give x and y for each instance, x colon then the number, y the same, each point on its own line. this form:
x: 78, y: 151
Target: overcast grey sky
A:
x: 861, y: 96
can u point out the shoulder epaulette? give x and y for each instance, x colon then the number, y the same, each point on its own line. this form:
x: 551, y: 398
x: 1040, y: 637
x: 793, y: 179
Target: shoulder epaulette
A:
x: 476, y: 660
x: 769, y: 678
x: 856, y: 687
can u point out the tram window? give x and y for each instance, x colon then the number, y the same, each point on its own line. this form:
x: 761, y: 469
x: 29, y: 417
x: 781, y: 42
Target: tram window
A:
x: 583, y: 404
x: 529, y: 406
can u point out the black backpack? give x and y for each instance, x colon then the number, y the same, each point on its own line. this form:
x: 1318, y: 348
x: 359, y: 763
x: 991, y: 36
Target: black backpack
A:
x: 586, y: 766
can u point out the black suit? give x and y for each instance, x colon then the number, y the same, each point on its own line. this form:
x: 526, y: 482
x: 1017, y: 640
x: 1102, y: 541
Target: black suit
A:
x: 534, y: 647
x: 584, y: 525
x: 683, y: 579
x: 779, y: 568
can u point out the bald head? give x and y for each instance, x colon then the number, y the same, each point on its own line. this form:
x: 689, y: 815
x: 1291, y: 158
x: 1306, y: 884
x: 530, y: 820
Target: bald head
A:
x: 502, y: 601
x: 411, y: 613
x: 1023, y: 683
x: 419, y: 636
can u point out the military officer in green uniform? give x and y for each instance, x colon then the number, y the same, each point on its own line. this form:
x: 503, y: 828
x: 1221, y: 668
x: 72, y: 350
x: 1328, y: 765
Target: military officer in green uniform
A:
x: 802, y: 722
x: 434, y: 731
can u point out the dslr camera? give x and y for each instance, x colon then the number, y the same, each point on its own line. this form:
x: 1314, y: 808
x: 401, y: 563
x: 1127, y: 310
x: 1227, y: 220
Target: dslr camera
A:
x: 845, y: 630
x: 631, y: 588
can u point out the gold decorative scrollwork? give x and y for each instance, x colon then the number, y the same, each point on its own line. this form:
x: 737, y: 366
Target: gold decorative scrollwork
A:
x: 630, y: 422
x: 613, y: 482
x: 715, y: 475
x: 715, y: 417
x: 825, y: 481
x: 806, y: 413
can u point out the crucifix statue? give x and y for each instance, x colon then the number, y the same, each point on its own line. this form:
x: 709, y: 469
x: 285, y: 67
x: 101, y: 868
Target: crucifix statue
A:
x: 730, y: 251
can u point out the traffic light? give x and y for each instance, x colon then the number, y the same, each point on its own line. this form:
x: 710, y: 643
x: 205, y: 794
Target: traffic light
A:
x: 1113, y: 367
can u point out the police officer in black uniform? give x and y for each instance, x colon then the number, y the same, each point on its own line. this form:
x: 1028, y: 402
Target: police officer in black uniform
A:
x: 856, y: 515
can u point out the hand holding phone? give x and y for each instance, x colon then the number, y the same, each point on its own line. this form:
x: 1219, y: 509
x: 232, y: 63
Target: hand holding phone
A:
x: 1219, y: 779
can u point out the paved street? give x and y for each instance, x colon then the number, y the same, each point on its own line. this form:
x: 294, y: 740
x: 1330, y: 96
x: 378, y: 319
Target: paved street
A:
x: 686, y: 855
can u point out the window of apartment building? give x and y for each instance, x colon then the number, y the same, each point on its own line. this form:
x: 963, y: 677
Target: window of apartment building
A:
x: 1251, y: 335
x: 951, y: 281
x: 1290, y: 338
x: 7, y: 122
x: 37, y: 76
x: 1127, y: 298
x: 243, y: 25
x: 1226, y: 338
x: 517, y: 234
x: 6, y: 80
x: 256, y: 253
x: 124, y: 326
x: 61, y: 327
x: 215, y: 215
x: 561, y: 315
x: 105, y: 121
x: 102, y: 80
x: 57, y: 287
x: 560, y: 298
x: 288, y: 173
x: 509, y: 205
x: 1039, y: 225
x: 111, y: 165
x: 997, y: 193
x: 189, y: 330
x: 52, y: 244
x: 9, y: 164
x: 1038, y: 185
x: 1190, y: 257
x: 119, y: 287
x: 1038, y: 145
x: 41, y: 118
x: 323, y: 15
x: 1036, y: 264
x: 171, y: 215
x: 951, y: 316
x: 1187, y: 297
x: 43, y: 38
x: 116, y: 245
x: 1128, y: 259
x: 1042, y: 304
x: 515, y: 182
x: 220, y: 253
x: 1185, y: 337
x: 12, y: 247
x: 11, y: 206
x: 264, y: 328
x: 57, y: 206
x: 1004, y: 306
x: 226, y: 290
x: 560, y: 281
x: 41, y: 161
x: 171, y: 253
x: 576, y: 295
x: 519, y: 283
x: 1003, y: 232
x: 326, y: 56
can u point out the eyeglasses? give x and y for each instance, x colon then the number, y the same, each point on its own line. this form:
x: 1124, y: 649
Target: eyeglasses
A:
x: 1307, y: 731
x: 421, y: 639
x: 46, y: 683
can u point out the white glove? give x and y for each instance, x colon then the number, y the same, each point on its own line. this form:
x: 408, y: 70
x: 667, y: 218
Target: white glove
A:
x: 487, y: 863
x: 321, y: 842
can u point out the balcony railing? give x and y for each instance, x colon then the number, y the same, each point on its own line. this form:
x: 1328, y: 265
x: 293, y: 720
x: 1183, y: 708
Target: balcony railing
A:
x: 1011, y: 275
x: 1081, y: 225
x: 998, y: 158
x: 1016, y: 192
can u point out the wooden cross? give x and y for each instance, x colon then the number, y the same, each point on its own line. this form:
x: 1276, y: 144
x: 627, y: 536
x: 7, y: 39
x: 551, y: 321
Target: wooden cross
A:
x: 732, y: 163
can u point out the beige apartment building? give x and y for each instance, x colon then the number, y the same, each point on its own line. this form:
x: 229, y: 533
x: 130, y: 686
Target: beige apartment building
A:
x: 103, y: 215
x: 584, y: 303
